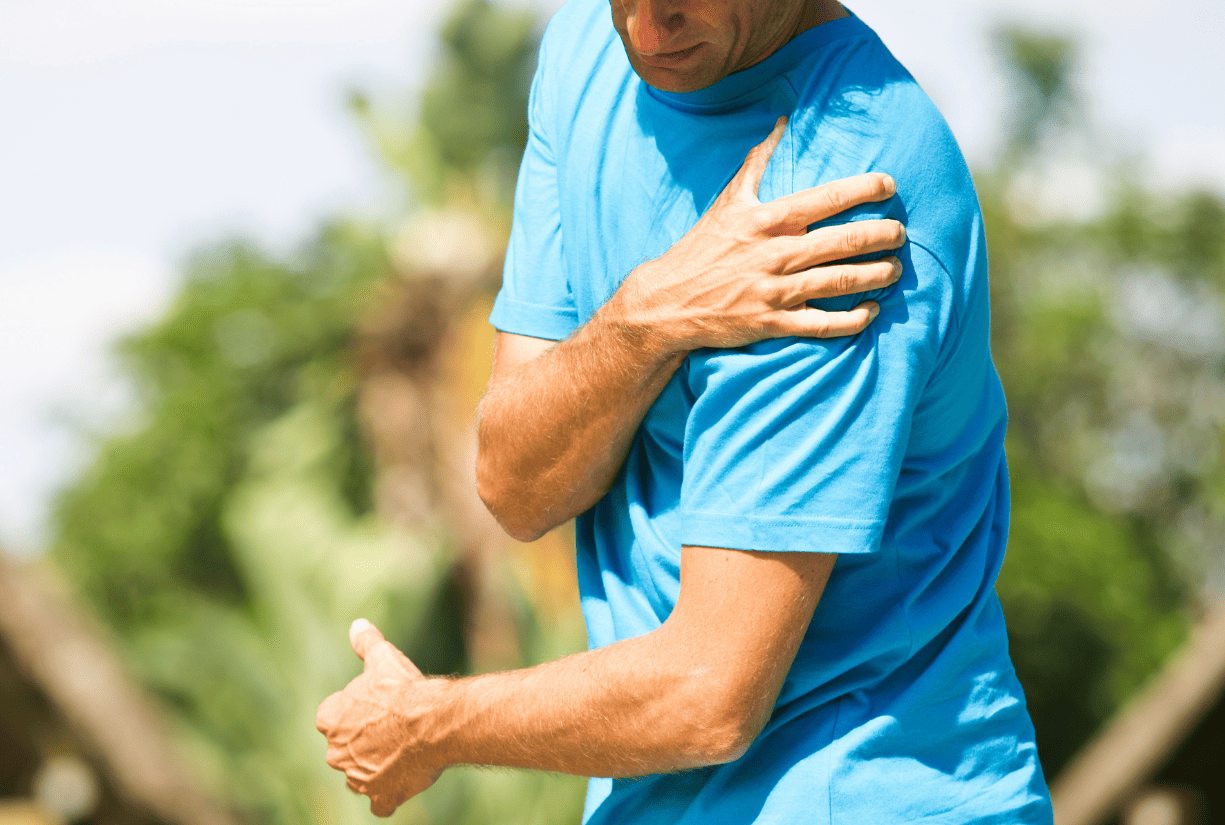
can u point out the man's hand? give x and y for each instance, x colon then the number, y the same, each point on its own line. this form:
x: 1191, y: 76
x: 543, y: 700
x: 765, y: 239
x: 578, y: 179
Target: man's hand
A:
x: 368, y: 730
x: 693, y: 692
x: 557, y: 420
x: 745, y: 270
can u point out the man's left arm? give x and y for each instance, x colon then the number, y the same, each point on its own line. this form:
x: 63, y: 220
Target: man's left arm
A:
x: 696, y: 691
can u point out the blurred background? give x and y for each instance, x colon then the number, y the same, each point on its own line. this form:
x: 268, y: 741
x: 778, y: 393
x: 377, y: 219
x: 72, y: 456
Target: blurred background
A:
x: 247, y: 253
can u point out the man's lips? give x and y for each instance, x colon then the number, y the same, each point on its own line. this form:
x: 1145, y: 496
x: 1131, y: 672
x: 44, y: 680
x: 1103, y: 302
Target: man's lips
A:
x: 668, y: 60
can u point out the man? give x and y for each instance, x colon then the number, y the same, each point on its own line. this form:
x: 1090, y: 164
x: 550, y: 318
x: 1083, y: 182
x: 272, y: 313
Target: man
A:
x: 740, y: 437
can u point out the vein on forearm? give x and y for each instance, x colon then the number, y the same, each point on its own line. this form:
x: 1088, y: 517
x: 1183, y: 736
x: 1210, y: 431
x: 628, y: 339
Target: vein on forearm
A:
x: 618, y: 711
x: 555, y: 430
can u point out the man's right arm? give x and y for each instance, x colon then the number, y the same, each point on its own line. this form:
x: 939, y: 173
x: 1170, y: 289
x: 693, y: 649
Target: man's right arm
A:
x: 557, y: 420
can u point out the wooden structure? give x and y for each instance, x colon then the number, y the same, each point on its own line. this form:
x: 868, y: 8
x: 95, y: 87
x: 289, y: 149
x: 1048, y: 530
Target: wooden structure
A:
x: 1161, y: 760
x: 66, y: 704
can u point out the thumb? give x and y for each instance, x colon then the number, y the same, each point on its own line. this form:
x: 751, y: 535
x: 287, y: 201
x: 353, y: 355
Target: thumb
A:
x: 754, y: 166
x: 363, y: 636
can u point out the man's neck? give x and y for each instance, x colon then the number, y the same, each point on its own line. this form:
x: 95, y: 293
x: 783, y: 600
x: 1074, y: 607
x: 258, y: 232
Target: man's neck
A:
x: 813, y: 14
x: 817, y: 12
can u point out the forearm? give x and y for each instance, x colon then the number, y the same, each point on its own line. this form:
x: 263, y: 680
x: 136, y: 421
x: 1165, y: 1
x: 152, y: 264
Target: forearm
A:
x: 553, y: 432
x: 629, y: 709
x: 695, y: 691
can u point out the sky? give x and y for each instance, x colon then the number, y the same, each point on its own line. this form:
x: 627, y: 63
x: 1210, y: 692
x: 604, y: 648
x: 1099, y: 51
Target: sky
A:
x: 134, y: 131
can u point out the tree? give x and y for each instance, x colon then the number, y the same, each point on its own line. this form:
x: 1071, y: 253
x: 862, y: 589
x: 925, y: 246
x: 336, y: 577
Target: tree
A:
x: 1107, y: 333
x: 272, y: 488
x: 295, y: 457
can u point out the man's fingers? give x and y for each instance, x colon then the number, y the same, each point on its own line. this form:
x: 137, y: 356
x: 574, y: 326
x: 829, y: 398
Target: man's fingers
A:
x: 838, y: 279
x: 325, y: 717
x: 808, y: 322
x: 382, y: 807
x: 363, y: 636
x: 794, y: 213
x: 335, y: 757
x: 795, y: 253
x: 747, y: 181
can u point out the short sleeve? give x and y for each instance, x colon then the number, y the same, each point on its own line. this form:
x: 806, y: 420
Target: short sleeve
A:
x: 535, y: 298
x: 796, y: 444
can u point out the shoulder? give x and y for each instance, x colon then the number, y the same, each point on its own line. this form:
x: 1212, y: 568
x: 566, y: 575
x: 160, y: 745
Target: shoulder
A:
x: 578, y: 38
x: 575, y: 20
x: 581, y: 57
x: 858, y: 110
x: 854, y: 92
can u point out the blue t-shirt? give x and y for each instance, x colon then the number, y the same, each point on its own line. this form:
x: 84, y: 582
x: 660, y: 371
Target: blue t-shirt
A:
x: 885, y: 447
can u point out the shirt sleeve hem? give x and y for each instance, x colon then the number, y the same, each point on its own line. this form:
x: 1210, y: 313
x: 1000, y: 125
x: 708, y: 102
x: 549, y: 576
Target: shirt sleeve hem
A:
x: 780, y: 533
x: 534, y: 320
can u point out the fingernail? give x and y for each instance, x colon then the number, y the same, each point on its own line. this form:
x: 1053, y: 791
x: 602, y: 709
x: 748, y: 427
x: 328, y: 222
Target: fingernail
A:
x: 873, y: 311
x: 897, y: 268
x: 359, y: 626
x: 890, y: 184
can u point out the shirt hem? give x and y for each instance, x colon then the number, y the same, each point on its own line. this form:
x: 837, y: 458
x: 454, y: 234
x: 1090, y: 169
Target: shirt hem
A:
x: 780, y: 533
x: 534, y: 320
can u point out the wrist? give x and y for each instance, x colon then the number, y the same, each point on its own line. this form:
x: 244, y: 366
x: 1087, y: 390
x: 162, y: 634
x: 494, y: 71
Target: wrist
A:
x: 629, y: 318
x: 425, y: 731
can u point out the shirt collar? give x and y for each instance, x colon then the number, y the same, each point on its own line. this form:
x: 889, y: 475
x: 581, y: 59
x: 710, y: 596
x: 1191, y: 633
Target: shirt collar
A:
x: 746, y: 87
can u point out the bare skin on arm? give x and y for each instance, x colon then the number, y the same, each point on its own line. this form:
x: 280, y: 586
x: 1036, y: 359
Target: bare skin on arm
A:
x: 557, y: 420
x: 555, y: 425
x: 696, y: 691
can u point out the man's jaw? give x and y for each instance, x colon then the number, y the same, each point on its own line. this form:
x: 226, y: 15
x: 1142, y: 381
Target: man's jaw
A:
x: 672, y: 59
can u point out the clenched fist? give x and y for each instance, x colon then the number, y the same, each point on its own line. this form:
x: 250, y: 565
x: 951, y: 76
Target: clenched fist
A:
x: 374, y: 726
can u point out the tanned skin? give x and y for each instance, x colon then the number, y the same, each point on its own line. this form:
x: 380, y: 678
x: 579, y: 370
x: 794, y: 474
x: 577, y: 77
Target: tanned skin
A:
x: 557, y: 420
x: 555, y: 426
x: 678, y: 697
x: 684, y: 46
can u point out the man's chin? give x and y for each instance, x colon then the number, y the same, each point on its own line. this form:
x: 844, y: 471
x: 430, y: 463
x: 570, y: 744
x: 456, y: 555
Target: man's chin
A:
x: 676, y: 80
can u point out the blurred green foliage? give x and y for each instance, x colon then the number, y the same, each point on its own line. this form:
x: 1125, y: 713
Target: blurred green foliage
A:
x: 228, y: 535
x: 469, y: 133
x: 1108, y: 306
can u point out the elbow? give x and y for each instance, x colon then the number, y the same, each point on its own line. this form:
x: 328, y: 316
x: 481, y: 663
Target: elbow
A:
x: 723, y: 747
x: 727, y: 740
x: 725, y: 721
x: 504, y: 502
x: 521, y: 531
